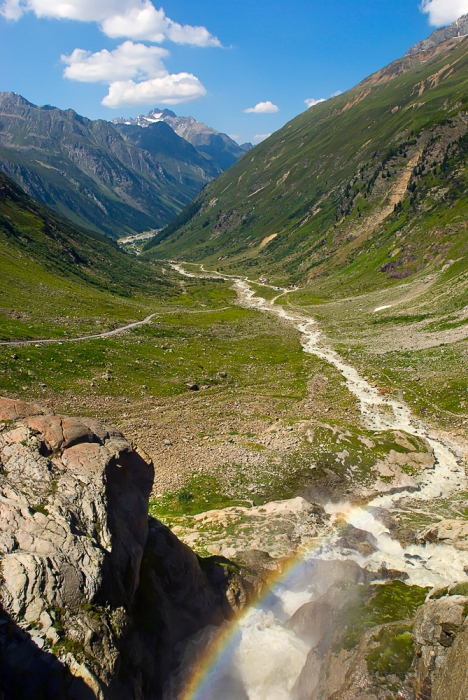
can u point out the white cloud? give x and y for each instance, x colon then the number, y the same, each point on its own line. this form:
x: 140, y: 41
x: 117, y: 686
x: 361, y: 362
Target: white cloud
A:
x: 443, y: 12
x: 263, y: 108
x: 82, y: 10
x: 135, y: 19
x: 260, y: 137
x: 338, y: 92
x: 11, y: 9
x: 135, y: 74
x: 145, y: 22
x: 168, y: 90
x: 126, y: 61
x: 311, y: 102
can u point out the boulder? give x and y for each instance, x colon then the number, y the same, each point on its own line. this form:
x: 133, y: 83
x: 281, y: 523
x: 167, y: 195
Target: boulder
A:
x: 450, y: 531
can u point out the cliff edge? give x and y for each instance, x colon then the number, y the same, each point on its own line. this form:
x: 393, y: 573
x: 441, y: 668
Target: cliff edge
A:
x: 95, y: 596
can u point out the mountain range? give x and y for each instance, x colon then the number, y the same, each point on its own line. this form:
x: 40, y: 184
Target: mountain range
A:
x: 116, y: 179
x: 220, y: 147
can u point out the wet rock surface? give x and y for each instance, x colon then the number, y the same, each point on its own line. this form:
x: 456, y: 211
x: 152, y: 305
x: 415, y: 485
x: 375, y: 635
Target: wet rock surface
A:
x: 95, y: 596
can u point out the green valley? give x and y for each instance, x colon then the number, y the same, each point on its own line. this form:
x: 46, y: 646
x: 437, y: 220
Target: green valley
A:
x: 358, y: 192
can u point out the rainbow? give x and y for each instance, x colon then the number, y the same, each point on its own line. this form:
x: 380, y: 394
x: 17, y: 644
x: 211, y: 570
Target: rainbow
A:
x: 218, y: 652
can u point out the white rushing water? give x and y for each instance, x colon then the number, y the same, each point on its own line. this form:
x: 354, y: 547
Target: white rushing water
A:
x: 266, y: 658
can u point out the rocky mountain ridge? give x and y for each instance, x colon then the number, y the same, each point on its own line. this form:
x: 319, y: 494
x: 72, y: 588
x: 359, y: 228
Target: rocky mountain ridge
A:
x: 307, y: 202
x: 456, y: 30
x: 217, y: 146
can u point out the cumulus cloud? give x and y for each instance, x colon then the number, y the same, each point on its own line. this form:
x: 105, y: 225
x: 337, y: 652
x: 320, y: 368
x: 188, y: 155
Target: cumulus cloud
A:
x: 262, y: 108
x: 443, y: 12
x: 169, y: 90
x: 135, y: 74
x: 83, y: 10
x: 126, y: 61
x: 143, y: 21
x: 134, y: 19
x: 311, y: 102
x: 260, y: 137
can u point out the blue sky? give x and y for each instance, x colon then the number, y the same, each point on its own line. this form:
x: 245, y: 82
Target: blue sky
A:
x: 212, y: 59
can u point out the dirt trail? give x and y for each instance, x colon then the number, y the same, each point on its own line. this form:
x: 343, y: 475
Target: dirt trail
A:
x: 105, y: 334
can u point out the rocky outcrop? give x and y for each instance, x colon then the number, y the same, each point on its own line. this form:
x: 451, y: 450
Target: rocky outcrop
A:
x: 360, y: 637
x: 456, y: 30
x: 278, y: 528
x: 452, y: 681
x: 450, y: 531
x: 95, y: 596
x: 440, y: 635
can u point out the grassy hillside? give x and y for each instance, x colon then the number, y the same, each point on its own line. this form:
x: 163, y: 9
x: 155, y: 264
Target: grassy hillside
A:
x: 363, y: 190
x: 51, y: 270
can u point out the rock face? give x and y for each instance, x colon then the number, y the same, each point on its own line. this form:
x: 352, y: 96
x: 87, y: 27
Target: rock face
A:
x: 452, y: 682
x: 456, y: 30
x: 95, y: 596
x: 452, y: 531
x: 440, y: 635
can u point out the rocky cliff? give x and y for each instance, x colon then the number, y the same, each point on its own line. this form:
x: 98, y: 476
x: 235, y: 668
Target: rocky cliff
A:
x: 383, y: 642
x: 456, y: 30
x: 94, y: 595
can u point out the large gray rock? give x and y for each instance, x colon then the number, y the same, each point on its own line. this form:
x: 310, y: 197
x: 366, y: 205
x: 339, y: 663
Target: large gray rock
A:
x: 452, y: 682
x: 436, y: 627
x: 94, y: 595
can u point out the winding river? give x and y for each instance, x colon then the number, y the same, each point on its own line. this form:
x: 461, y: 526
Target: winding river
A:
x: 264, y: 659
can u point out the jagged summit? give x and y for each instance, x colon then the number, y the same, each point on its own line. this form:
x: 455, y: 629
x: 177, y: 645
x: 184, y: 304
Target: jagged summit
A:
x: 456, y: 30
x: 154, y: 115
x: 219, y: 147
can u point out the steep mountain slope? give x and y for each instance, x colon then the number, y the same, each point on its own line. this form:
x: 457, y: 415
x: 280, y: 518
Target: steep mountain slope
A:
x: 177, y: 156
x: 219, y: 147
x: 88, y: 172
x: 370, y: 184
x: 64, y: 250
